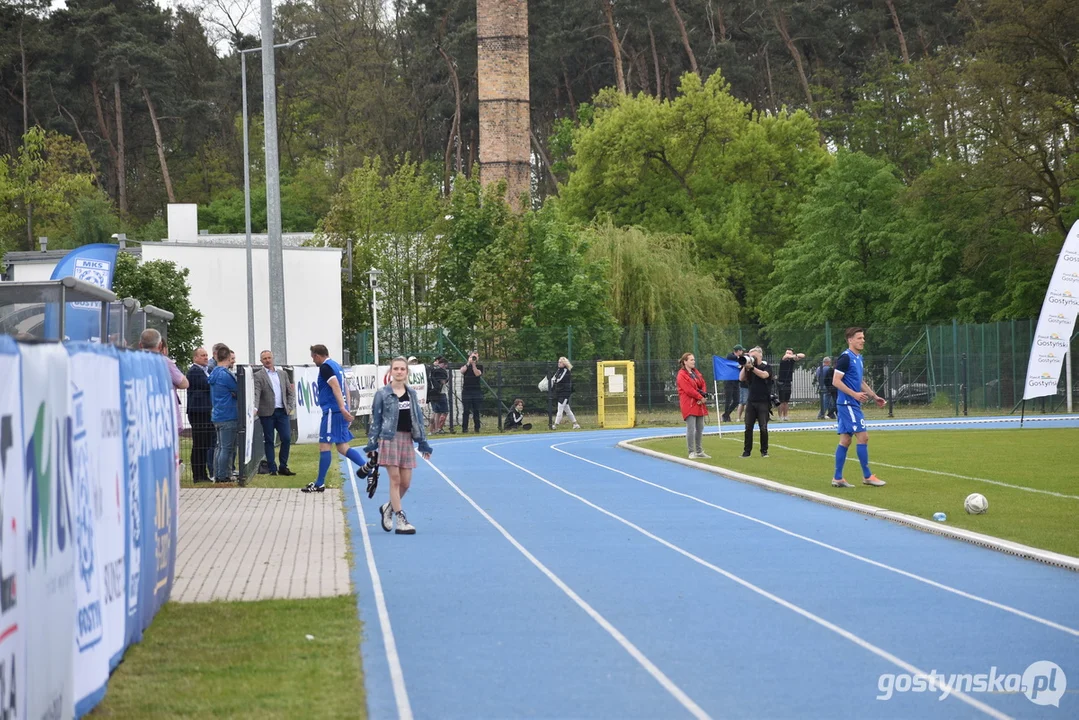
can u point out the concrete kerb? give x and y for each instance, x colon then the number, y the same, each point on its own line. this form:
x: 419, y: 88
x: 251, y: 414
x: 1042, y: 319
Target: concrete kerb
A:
x: 987, y: 541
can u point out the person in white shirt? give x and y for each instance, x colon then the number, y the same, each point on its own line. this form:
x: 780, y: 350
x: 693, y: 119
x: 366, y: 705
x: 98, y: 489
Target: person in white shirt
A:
x: 275, y: 401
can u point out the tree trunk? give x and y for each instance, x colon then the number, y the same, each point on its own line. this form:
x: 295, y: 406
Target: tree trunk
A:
x: 642, y: 70
x: 455, y: 129
x: 722, y: 23
x: 655, y: 61
x: 545, y: 160
x: 899, y: 32
x: 780, y: 21
x: 616, y: 47
x: 82, y: 139
x: 768, y: 71
x: 106, y: 132
x: 121, y: 159
x: 569, y: 90
x: 685, y: 37
x: 160, y: 145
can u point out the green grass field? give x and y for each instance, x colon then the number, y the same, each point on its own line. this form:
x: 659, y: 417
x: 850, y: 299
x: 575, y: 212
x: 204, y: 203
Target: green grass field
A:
x: 243, y: 660
x: 932, y: 470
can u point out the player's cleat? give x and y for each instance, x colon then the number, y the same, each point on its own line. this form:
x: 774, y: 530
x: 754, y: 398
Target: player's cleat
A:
x: 874, y: 481
x: 312, y: 487
x: 372, y: 483
x: 404, y: 527
x: 387, y: 517
x: 840, y: 482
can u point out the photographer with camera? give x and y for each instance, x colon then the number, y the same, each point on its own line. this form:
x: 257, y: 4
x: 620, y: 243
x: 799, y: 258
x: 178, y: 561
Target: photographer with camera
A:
x: 758, y: 374
x: 471, y: 391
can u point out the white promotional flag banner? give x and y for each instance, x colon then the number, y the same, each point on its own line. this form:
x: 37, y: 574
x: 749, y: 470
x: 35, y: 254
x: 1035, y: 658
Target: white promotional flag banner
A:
x: 249, y: 411
x: 50, y: 522
x: 308, y: 413
x: 98, y: 467
x: 13, y: 598
x: 1056, y: 322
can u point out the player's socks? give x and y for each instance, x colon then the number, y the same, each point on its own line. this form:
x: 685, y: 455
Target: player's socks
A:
x: 840, y: 459
x: 354, y: 455
x: 863, y: 458
x: 324, y: 460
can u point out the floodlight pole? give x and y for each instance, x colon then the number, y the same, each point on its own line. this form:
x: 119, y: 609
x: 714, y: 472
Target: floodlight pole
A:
x: 372, y: 276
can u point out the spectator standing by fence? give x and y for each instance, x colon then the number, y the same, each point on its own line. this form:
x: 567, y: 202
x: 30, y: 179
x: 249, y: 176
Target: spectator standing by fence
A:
x: 275, y: 401
x: 198, y: 415
x: 471, y: 391
x: 563, y: 389
x: 731, y: 394
x: 225, y: 418
x: 693, y: 401
x: 396, y: 422
x: 823, y: 378
x: 785, y: 381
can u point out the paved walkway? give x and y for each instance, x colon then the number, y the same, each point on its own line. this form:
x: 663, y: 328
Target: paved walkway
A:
x: 260, y: 543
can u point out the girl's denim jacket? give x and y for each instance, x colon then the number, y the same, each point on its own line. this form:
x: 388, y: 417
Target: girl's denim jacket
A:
x: 384, y: 414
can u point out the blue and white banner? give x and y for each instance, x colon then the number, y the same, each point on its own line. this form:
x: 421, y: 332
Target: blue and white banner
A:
x: 1052, y: 339
x: 50, y: 531
x: 12, y: 537
x: 98, y: 463
x: 150, y: 444
x: 93, y: 264
x: 308, y: 413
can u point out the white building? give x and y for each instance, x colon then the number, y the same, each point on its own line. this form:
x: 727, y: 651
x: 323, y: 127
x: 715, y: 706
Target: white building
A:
x: 217, y: 266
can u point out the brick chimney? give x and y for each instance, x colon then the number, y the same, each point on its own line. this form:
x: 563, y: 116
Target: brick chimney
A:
x: 505, y: 151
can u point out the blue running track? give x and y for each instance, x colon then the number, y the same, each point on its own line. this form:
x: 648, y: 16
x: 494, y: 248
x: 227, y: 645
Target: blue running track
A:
x: 557, y: 576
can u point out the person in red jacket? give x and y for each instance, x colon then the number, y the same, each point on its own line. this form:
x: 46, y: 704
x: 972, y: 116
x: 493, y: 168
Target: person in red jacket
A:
x: 694, y: 403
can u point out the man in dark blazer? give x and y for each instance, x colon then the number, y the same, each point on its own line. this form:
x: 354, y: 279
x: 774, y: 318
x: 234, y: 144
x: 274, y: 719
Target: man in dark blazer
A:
x: 275, y: 401
x: 198, y: 414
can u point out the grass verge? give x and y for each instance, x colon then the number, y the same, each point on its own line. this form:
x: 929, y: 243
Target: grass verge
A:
x: 932, y: 471
x: 243, y: 660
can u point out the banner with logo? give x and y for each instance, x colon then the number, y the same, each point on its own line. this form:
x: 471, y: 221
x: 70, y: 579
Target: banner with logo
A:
x: 1056, y: 322
x: 13, y: 529
x: 308, y: 413
x: 362, y: 381
x: 417, y: 380
x: 150, y: 456
x: 249, y: 411
x: 93, y: 264
x: 98, y: 465
x: 50, y: 531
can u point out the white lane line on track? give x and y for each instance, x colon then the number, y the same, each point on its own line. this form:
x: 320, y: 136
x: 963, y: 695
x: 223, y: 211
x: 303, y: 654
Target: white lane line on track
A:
x: 397, y: 676
x: 828, y: 625
x: 621, y: 639
x: 833, y: 548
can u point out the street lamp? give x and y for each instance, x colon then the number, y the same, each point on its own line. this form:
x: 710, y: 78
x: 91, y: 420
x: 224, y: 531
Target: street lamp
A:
x: 372, y: 276
x: 247, y: 194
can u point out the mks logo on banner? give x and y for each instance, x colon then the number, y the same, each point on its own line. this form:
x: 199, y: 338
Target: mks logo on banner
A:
x: 93, y: 264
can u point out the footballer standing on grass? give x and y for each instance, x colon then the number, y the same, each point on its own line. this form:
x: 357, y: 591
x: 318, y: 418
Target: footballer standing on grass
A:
x: 853, y: 391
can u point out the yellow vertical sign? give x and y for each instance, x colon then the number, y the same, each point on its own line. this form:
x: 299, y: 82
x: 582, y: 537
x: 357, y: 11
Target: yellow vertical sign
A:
x: 616, y: 390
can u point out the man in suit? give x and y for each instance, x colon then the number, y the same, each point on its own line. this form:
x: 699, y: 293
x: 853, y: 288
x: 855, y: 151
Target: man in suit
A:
x: 198, y: 413
x: 275, y: 401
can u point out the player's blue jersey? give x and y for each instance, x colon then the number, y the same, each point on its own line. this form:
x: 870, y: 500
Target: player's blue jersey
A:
x: 326, y: 400
x: 851, y: 365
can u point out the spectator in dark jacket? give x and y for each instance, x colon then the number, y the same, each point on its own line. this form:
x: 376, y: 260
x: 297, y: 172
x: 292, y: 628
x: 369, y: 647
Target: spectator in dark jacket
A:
x: 515, y: 418
x: 198, y: 414
x: 224, y: 415
x: 563, y: 388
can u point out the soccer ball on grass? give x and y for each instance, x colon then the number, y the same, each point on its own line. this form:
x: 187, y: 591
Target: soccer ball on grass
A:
x: 976, y: 504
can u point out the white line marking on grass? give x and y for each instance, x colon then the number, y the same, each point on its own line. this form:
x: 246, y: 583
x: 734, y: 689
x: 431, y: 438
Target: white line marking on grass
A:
x: 940, y: 472
x: 397, y: 677
x: 846, y: 634
x: 841, y: 551
x: 621, y: 639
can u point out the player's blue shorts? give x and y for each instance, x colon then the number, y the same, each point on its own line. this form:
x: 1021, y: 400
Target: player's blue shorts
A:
x: 333, y: 428
x: 851, y: 419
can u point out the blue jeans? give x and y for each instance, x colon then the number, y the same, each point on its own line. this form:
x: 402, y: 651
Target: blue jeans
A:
x: 226, y: 448
x: 279, y: 422
x: 827, y: 404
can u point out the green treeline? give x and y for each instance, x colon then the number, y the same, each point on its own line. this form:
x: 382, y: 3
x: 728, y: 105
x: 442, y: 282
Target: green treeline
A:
x: 722, y: 161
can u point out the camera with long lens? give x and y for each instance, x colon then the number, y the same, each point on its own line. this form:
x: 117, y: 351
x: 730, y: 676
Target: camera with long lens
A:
x: 369, y: 471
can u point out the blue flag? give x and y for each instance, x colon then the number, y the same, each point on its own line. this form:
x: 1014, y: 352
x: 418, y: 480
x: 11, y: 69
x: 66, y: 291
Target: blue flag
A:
x: 724, y: 369
x: 90, y: 263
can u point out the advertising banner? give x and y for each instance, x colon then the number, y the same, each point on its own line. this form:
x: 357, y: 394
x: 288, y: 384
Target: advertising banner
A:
x: 308, y: 413
x: 12, y: 536
x: 49, y: 509
x: 150, y: 447
x: 249, y: 411
x: 362, y: 381
x: 98, y: 469
x: 1056, y: 322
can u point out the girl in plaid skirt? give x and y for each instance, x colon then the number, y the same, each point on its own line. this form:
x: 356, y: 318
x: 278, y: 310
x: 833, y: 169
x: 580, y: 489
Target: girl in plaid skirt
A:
x: 396, y: 422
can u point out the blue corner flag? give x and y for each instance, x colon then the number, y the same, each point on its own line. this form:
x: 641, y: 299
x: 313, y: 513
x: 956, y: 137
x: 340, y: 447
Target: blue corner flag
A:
x: 725, y: 369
